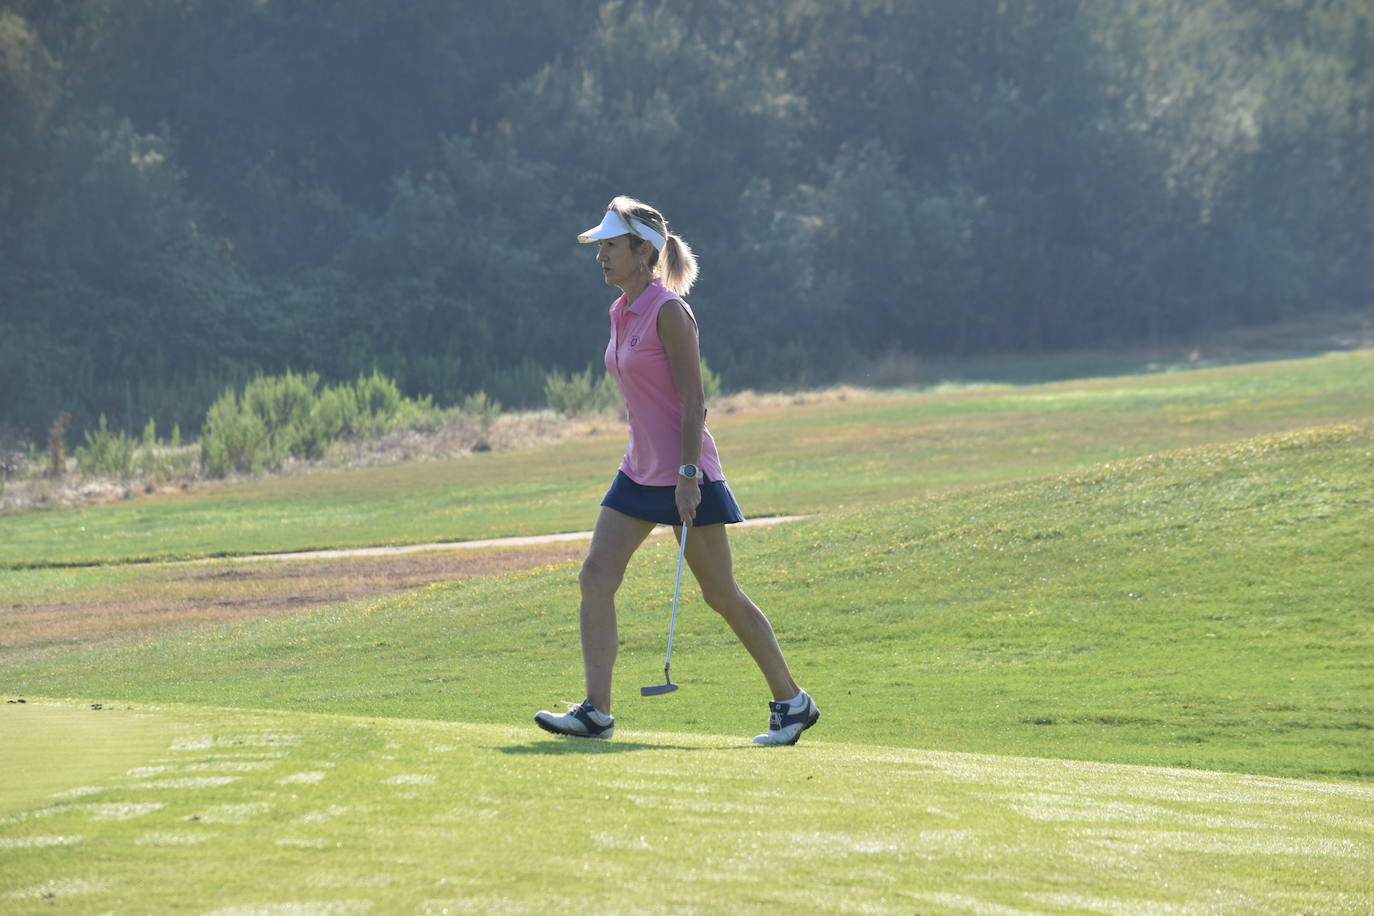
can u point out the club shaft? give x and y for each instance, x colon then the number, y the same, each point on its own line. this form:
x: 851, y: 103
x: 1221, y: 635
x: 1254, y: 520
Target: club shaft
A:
x: 677, y: 590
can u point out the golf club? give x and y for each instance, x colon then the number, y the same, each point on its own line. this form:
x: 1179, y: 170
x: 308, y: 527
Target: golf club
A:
x: 668, y: 686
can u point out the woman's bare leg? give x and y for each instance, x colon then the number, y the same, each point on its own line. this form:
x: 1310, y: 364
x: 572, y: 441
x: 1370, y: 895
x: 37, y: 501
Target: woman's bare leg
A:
x: 708, y: 554
x: 614, y: 540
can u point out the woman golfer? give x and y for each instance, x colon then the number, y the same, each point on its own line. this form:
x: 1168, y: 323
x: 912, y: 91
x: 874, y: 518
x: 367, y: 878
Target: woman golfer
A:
x: 670, y: 474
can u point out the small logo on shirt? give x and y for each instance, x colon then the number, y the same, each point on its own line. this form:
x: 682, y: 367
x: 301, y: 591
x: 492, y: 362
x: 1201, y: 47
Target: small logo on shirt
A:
x: 634, y: 343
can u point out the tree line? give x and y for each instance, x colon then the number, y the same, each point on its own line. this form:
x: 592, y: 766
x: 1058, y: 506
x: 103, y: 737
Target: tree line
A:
x: 193, y: 193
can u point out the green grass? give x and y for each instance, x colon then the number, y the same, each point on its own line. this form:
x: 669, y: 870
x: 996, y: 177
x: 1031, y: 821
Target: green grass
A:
x: 38, y: 743
x: 1196, y: 608
x: 793, y: 460
x: 28, y: 586
x: 1062, y: 668
x: 244, y: 812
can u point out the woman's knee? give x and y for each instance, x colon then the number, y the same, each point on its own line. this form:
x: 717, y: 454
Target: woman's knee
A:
x: 599, y: 577
x: 722, y: 597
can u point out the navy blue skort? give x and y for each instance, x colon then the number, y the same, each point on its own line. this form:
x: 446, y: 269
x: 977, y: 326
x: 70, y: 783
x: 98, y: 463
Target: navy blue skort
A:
x: 659, y: 504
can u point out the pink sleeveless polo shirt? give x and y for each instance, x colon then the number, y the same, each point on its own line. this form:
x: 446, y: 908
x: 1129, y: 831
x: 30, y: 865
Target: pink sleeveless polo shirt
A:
x: 636, y: 358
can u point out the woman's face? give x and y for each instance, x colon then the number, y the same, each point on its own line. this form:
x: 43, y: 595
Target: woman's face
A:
x: 619, y: 262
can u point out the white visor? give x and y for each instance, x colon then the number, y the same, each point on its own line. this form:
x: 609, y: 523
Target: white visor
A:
x: 613, y: 226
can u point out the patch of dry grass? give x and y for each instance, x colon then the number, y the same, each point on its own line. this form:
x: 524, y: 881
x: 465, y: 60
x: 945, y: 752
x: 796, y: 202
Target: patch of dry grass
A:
x: 161, y: 598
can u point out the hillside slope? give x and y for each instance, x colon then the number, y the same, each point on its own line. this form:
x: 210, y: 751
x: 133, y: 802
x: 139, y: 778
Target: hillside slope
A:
x: 1208, y: 607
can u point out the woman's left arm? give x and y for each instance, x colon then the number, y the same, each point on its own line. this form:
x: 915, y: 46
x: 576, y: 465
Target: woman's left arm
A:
x: 678, y: 333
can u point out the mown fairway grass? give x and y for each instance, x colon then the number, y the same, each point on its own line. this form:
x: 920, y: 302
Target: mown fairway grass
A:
x: 291, y: 813
x: 782, y: 461
x: 1011, y: 675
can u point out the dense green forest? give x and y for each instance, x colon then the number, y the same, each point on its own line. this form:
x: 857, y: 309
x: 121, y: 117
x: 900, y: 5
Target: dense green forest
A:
x: 196, y: 191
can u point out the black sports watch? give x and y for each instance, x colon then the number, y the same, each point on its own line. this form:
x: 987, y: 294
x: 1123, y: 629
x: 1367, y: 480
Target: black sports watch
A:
x: 691, y: 471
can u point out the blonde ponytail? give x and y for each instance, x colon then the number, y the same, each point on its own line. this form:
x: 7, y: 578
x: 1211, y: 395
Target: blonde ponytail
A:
x: 678, y: 264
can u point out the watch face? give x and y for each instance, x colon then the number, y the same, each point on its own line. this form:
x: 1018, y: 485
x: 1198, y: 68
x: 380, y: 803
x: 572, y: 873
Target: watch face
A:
x: 689, y: 470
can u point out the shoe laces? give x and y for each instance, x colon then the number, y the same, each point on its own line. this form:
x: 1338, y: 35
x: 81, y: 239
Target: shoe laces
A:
x: 584, y: 705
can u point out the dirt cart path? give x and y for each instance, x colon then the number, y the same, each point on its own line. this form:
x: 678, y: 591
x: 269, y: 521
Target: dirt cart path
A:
x: 531, y: 540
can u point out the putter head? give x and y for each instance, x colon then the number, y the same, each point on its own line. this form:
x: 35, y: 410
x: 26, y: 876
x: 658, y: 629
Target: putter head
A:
x: 657, y: 689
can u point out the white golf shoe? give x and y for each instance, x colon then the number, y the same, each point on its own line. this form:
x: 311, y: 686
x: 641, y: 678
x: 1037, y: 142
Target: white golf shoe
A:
x: 582, y: 720
x: 788, y: 719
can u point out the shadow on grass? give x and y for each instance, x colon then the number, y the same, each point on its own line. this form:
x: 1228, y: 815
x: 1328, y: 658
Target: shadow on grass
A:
x: 588, y: 746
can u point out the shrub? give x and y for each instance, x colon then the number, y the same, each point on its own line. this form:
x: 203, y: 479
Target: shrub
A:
x: 580, y: 393
x: 379, y: 404
x: 333, y: 416
x: 106, y: 453
x: 292, y: 416
x: 57, y: 440
x: 482, y: 407
x: 234, y: 439
x: 377, y: 395
x: 283, y: 403
x: 149, y: 455
x: 710, y: 382
x: 421, y: 414
x: 159, y: 462
x: 179, y: 459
